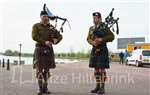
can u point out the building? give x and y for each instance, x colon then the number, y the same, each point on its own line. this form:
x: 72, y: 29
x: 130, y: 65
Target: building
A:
x: 122, y: 43
x: 132, y: 47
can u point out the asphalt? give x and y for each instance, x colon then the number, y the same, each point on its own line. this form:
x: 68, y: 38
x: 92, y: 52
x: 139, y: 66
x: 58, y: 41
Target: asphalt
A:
x: 76, y: 79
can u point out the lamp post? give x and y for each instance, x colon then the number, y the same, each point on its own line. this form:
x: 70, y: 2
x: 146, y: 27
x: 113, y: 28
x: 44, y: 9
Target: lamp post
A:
x: 20, y: 54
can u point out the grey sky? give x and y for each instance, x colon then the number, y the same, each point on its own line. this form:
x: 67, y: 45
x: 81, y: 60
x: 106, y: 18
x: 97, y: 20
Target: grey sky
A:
x: 18, y: 18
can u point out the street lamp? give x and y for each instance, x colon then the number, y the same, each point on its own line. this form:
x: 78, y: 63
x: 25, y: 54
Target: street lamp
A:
x: 20, y: 54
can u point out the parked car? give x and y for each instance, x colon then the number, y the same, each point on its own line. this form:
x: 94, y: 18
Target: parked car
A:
x: 139, y: 57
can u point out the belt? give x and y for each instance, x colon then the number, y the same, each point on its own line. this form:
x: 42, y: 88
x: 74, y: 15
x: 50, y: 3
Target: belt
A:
x: 103, y: 45
x: 40, y: 45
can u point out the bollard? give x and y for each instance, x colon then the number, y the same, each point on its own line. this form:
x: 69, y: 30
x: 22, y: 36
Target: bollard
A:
x: 3, y: 63
x: 8, y: 64
x: 0, y: 63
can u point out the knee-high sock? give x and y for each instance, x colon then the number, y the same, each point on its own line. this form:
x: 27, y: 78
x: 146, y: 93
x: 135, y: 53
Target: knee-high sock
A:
x: 105, y: 76
x: 97, y: 77
x: 46, y: 76
x: 102, y: 83
x: 40, y: 79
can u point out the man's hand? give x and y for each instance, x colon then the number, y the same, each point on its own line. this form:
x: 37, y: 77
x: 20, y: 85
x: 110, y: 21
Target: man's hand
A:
x: 98, y: 41
x: 55, y: 40
x: 48, y: 43
x: 95, y: 43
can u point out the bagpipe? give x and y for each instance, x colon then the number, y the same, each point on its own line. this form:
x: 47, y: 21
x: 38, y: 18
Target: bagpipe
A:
x: 109, y: 22
x: 53, y: 17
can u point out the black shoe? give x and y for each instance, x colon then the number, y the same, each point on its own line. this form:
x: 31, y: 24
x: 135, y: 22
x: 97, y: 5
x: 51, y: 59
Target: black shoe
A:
x: 46, y: 91
x: 101, y: 91
x: 95, y: 90
x: 40, y: 92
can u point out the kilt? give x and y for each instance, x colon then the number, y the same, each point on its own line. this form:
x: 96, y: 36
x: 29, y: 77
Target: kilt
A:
x: 99, y: 59
x: 43, y: 62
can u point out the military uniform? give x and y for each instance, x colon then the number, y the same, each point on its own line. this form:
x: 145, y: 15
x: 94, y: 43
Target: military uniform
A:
x: 99, y: 58
x: 44, y: 55
x: 42, y: 33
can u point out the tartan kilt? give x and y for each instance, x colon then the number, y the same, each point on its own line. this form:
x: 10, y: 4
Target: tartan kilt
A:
x: 43, y: 62
x: 99, y: 59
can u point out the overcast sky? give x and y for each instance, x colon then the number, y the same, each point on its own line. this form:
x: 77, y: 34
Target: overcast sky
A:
x: 18, y: 17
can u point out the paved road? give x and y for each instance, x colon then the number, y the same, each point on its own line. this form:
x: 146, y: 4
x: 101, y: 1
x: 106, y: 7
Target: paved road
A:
x: 76, y: 79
